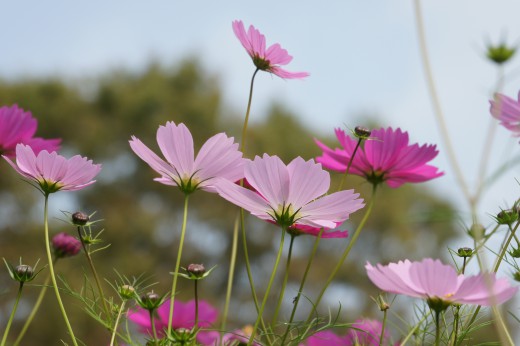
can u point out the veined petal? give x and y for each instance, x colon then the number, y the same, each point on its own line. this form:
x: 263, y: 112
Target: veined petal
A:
x: 434, y: 278
x: 243, y: 198
x: 176, y: 144
x: 148, y: 156
x: 332, y: 208
x: 269, y: 176
x: 308, y: 181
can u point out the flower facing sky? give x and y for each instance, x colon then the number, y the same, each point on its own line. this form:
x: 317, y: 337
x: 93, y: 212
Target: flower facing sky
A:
x: 439, y: 283
x: 219, y: 157
x: 385, y: 157
x: 507, y: 111
x: 269, y: 59
x: 184, y: 317
x: 18, y: 126
x: 52, y: 172
x: 290, y: 195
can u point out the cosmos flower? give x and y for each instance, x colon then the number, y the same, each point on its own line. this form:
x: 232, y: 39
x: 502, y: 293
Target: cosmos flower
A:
x: 18, y: 126
x: 184, y: 317
x: 366, y: 332
x: 65, y: 245
x: 290, y: 195
x: 324, y: 338
x: 440, y: 284
x: 52, y: 172
x: 218, y: 158
x: 269, y: 59
x: 385, y: 157
x: 507, y: 111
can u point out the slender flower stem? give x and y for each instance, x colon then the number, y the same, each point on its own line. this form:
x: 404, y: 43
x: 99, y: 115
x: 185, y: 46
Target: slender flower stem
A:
x: 51, y: 269
x: 505, y: 247
x: 344, y: 177
x: 436, y: 103
x: 412, y: 331
x: 6, y: 332
x: 268, y: 290
x: 284, y: 283
x: 232, y: 263
x: 248, y: 110
x: 437, y: 329
x: 345, y: 253
x: 154, y: 331
x: 114, y: 332
x: 382, y: 337
x: 96, y: 277
x: 196, y: 303
x: 178, y: 263
x: 302, y: 283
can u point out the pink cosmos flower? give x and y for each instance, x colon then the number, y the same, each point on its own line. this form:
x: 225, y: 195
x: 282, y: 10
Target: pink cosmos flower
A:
x: 386, y: 156
x: 324, y: 338
x: 437, y: 282
x: 52, y: 172
x: 65, y: 245
x: 184, y: 317
x: 266, y: 60
x: 18, y: 126
x: 218, y: 158
x: 507, y: 111
x: 366, y: 332
x: 290, y: 195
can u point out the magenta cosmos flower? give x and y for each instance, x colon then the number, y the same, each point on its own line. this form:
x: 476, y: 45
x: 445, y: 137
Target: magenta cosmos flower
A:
x: 290, y: 195
x: 264, y: 59
x: 386, y: 156
x: 218, y: 158
x: 65, y: 245
x: 507, y: 111
x: 52, y: 172
x: 18, y: 126
x: 184, y: 317
x: 324, y: 338
x: 366, y: 332
x: 440, y: 283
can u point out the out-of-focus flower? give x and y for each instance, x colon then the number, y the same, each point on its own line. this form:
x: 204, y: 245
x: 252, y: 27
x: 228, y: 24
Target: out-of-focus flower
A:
x: 315, y: 231
x: 440, y: 284
x: 65, y: 245
x: 269, y: 59
x: 18, y: 126
x: 507, y: 111
x: 52, y: 172
x: 239, y: 337
x: 385, y: 157
x: 366, y: 332
x: 290, y: 195
x: 184, y: 317
x: 324, y: 338
x: 500, y: 53
x: 219, y: 157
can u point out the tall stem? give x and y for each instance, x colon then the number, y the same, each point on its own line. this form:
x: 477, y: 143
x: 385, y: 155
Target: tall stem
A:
x: 51, y: 269
x: 178, y: 263
x: 284, y: 283
x: 504, y: 248
x: 154, y: 331
x: 196, y: 302
x: 96, y: 277
x: 382, y: 337
x: 302, y: 283
x: 268, y: 290
x: 6, y: 332
x: 344, y: 177
x: 437, y: 329
x: 232, y: 263
x: 118, y: 317
x: 345, y: 253
x: 248, y: 110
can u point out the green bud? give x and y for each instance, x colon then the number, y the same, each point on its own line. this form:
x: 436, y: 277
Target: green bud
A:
x: 362, y: 132
x: 23, y: 273
x: 515, y: 253
x: 127, y: 292
x: 507, y: 217
x: 465, y: 252
x: 500, y: 54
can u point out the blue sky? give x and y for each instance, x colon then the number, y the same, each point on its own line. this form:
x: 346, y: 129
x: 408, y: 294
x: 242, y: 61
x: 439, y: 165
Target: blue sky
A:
x: 362, y: 55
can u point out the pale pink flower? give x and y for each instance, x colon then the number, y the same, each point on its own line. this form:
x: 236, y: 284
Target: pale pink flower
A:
x: 269, y: 59
x: 219, y: 157
x: 52, y: 172
x: 507, y: 111
x: 366, y: 332
x: 385, y: 157
x: 18, y: 126
x: 184, y: 317
x: 290, y: 195
x: 434, y: 281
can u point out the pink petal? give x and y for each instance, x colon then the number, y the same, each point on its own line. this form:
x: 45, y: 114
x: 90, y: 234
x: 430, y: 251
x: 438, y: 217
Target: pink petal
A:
x: 308, y: 181
x: 269, y: 176
x: 176, y: 144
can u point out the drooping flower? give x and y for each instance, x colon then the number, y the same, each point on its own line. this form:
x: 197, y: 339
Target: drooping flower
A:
x: 65, y: 245
x: 52, y: 172
x: 184, y: 317
x: 18, y: 126
x: 440, y: 284
x: 366, y: 332
x: 507, y: 111
x: 324, y: 338
x: 290, y: 195
x: 269, y: 59
x: 385, y: 157
x: 219, y: 157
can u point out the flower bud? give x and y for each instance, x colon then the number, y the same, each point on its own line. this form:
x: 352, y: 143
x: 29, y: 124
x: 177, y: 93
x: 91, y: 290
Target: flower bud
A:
x: 507, y: 217
x: 465, y: 252
x: 127, y: 292
x: 500, y: 54
x: 80, y: 219
x: 383, y: 305
x: 516, y: 275
x: 23, y: 273
x: 515, y: 253
x: 150, y: 301
x: 65, y: 245
x: 197, y: 270
x: 362, y: 132
x: 477, y: 231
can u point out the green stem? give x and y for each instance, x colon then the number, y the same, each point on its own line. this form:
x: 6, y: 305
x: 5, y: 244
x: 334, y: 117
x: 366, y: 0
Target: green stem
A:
x: 344, y: 177
x: 178, y: 262
x: 504, y: 248
x: 271, y: 280
x: 284, y: 283
x: 345, y: 253
x: 51, y: 269
x: 96, y: 277
x: 154, y: 331
x: 248, y: 110
x: 437, y: 329
x: 302, y: 283
x: 412, y: 331
x: 114, y: 332
x: 10, y: 321
x: 382, y: 337
x: 196, y: 303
